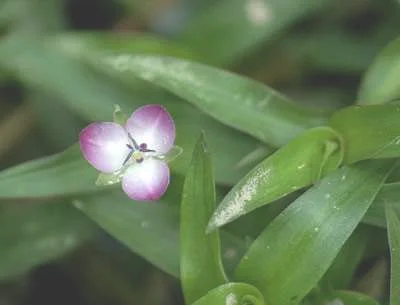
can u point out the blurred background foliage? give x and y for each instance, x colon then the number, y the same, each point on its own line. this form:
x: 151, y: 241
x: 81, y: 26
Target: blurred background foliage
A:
x: 50, y: 253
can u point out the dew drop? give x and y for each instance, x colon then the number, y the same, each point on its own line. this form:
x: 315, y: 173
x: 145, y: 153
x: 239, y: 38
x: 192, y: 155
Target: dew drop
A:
x: 327, y: 196
x: 144, y: 224
x: 78, y: 204
x: 301, y: 166
x: 316, y: 229
x: 69, y: 241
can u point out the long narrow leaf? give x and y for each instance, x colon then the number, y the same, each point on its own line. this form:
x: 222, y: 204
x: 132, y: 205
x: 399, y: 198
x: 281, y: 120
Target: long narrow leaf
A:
x: 381, y: 82
x: 253, y: 108
x: 300, y: 163
x: 150, y: 230
x: 32, y: 235
x: 232, y: 294
x: 235, y: 27
x: 393, y: 226
x: 295, y: 250
x: 201, y: 265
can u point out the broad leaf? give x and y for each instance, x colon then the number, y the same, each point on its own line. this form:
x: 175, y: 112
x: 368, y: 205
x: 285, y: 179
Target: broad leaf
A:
x: 393, y: 227
x: 290, y: 256
x: 201, y: 266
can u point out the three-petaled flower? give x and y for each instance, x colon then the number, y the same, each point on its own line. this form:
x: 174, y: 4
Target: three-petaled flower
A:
x: 133, y: 153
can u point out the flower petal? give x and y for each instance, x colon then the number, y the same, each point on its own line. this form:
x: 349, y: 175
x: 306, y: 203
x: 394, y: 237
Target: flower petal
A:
x: 154, y: 126
x: 104, y: 145
x: 146, y: 181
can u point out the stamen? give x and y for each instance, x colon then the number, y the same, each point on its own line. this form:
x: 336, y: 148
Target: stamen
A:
x: 143, y: 148
x: 133, y: 141
x: 128, y: 157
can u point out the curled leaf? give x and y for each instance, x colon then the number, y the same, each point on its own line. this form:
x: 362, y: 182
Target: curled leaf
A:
x: 232, y: 294
x: 370, y: 132
x: 298, y: 164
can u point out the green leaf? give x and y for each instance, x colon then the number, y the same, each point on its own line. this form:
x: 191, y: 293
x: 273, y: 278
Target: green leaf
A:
x: 351, y: 298
x: 201, y: 267
x: 253, y: 108
x: 340, y: 273
x: 234, y: 27
x: 389, y: 194
x: 381, y: 82
x: 393, y: 226
x: 371, y: 131
x: 61, y: 174
x: 232, y: 294
x: 129, y: 42
x: 298, y: 164
x: 150, y: 230
x: 33, y: 234
x: 93, y: 95
x: 119, y: 116
x: 290, y: 256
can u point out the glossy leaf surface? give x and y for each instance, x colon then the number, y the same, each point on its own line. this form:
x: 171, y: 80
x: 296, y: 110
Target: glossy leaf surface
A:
x: 253, y: 108
x: 290, y: 256
x: 381, y: 82
x: 390, y: 195
x: 232, y: 294
x: 201, y: 265
x: 351, y: 298
x: 61, y: 174
x: 298, y: 164
x: 393, y: 227
x: 150, y: 230
x: 371, y: 131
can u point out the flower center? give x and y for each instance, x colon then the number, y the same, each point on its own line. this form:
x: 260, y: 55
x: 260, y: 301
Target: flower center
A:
x: 137, y: 152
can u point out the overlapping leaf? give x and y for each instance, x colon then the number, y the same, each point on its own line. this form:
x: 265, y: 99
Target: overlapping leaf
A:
x: 295, y: 250
x: 300, y: 163
x: 150, y: 230
x: 232, y: 293
x: 393, y: 226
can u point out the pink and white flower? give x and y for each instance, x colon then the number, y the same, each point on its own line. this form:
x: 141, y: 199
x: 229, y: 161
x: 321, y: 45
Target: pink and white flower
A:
x: 135, y: 153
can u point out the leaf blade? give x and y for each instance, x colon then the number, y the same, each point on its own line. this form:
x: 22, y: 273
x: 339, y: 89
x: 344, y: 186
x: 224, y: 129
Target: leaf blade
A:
x: 380, y: 83
x: 201, y: 265
x: 254, y: 108
x: 317, y: 226
x: 393, y: 227
x: 298, y: 164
